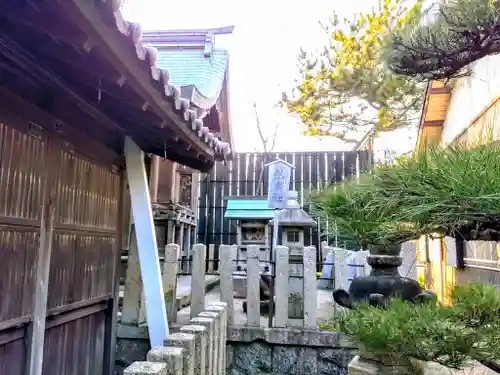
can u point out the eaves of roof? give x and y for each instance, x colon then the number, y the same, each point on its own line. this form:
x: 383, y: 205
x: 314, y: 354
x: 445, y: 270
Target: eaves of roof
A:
x: 200, y: 77
x: 179, y: 107
x: 437, y: 99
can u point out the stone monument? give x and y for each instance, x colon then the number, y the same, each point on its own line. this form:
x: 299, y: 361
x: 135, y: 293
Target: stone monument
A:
x: 293, y: 221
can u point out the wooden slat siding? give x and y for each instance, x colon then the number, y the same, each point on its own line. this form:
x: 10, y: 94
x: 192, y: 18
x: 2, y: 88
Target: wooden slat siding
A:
x: 21, y: 172
x: 12, y: 352
x: 86, y: 217
x: 240, y: 177
x: 65, y: 355
x: 17, y: 264
x: 22, y: 161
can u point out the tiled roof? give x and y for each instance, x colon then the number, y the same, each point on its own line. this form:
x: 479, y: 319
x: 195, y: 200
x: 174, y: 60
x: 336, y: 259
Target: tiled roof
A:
x: 169, y: 91
x: 191, y: 67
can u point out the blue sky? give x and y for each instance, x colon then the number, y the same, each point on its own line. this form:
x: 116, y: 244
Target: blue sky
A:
x: 263, y: 56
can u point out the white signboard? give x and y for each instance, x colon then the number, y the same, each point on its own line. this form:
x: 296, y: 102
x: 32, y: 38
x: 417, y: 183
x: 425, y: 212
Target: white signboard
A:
x: 279, y: 180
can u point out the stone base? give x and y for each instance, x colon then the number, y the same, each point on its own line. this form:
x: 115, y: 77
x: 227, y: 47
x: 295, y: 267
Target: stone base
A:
x: 284, y: 351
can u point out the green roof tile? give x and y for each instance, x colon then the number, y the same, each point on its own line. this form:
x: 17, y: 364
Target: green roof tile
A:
x: 191, y: 67
x: 248, y: 209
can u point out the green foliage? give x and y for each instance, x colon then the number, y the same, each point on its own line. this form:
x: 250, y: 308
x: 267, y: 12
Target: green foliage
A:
x: 351, y: 206
x: 452, y: 35
x: 341, y: 86
x: 451, y: 335
x: 453, y: 191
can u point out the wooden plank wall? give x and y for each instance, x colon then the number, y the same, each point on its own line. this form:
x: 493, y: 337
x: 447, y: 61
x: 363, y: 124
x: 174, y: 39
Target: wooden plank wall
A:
x: 246, y: 175
x: 86, y: 199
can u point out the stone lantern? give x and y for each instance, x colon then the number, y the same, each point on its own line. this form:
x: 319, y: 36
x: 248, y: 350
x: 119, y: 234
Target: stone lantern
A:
x: 251, y: 216
x: 292, y: 222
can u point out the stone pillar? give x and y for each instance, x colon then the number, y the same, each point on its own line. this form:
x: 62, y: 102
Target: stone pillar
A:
x: 216, y: 338
x: 186, y: 341
x: 146, y: 368
x: 209, y: 324
x: 200, y: 346
x: 171, y: 356
x: 281, y: 287
x: 226, y: 279
x: 253, y: 283
x: 310, y: 295
x: 198, y: 280
x: 170, y: 280
x: 221, y: 308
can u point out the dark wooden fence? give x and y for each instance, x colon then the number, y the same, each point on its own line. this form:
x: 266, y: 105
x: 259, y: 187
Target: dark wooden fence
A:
x: 246, y: 175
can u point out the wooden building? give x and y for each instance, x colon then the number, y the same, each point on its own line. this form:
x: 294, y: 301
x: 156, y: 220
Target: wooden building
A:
x: 464, y: 110
x: 199, y: 66
x: 82, y: 100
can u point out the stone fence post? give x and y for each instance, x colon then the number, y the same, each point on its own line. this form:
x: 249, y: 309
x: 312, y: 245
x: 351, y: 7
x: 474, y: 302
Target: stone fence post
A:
x: 226, y: 279
x: 169, y: 278
x: 281, y: 286
x: 198, y: 349
x: 253, y: 283
x: 310, y: 299
x: 198, y: 280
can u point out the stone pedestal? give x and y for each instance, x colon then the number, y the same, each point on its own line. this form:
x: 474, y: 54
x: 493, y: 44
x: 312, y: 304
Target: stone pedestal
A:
x: 383, y: 282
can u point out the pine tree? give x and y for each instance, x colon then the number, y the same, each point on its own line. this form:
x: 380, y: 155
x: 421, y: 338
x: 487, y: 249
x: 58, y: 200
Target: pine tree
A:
x: 451, y: 36
x: 347, y: 87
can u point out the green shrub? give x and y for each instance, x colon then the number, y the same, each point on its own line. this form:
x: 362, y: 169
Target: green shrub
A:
x: 468, y: 329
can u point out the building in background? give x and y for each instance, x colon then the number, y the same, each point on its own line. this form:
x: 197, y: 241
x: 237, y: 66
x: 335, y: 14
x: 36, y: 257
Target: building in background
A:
x: 84, y: 106
x: 199, y: 69
x: 466, y: 110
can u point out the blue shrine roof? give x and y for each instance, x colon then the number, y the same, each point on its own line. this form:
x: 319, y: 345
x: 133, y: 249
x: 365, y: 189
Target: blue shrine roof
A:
x: 248, y: 209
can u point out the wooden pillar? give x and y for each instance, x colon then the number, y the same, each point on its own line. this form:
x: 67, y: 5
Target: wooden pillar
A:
x: 146, y: 243
x: 153, y: 178
x: 122, y: 232
x: 36, y: 330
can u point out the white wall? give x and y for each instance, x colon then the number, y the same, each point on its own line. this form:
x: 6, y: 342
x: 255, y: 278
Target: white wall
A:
x: 470, y: 96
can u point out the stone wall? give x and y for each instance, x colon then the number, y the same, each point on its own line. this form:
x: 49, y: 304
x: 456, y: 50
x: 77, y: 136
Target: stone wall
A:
x: 195, y: 349
x: 285, y: 351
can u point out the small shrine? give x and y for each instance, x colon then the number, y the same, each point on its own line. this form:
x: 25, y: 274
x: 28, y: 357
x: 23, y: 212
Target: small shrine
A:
x: 292, y: 223
x: 251, y: 215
